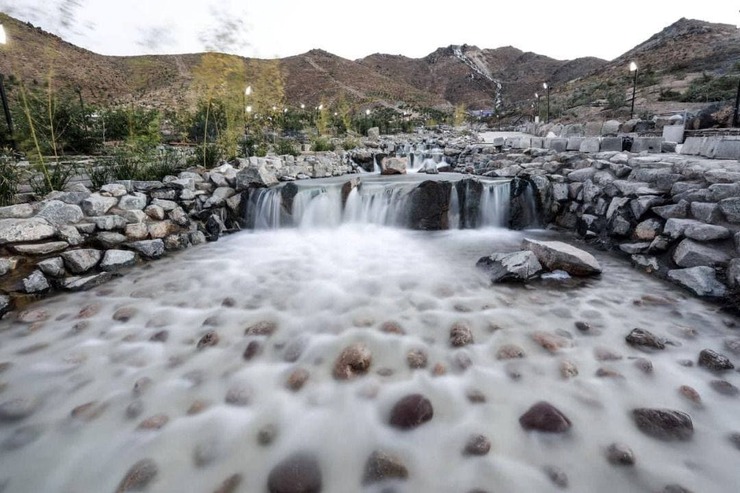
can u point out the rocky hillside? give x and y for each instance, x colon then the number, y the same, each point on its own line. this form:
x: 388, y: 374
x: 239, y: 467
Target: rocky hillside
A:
x: 456, y: 75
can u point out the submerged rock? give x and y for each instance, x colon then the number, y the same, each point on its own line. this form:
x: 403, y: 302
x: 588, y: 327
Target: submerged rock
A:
x: 620, y: 454
x: 411, y: 411
x: 460, y: 335
x: 477, y: 445
x: 139, y: 476
x: 299, y: 473
x: 545, y: 417
x: 355, y: 360
x: 714, y: 361
x: 665, y: 424
x: 557, y: 476
x: 381, y: 466
x: 644, y: 339
x: 230, y: 484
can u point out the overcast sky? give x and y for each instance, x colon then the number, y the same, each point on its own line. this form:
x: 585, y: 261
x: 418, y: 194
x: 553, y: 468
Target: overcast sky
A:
x: 562, y: 29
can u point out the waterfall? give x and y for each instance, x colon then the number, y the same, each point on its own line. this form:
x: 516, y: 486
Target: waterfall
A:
x: 494, y: 205
x: 376, y: 166
x: 376, y: 200
x: 454, y: 210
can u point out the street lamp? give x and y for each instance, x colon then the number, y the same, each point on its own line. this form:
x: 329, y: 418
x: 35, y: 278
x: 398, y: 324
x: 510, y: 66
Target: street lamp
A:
x: 633, y: 68
x: 537, y: 99
x: 547, y: 88
x: 6, y: 108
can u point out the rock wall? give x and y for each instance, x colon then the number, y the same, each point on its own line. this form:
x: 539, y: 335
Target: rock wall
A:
x: 672, y: 215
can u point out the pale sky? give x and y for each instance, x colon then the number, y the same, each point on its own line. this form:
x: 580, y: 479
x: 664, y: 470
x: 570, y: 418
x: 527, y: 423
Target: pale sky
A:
x: 561, y: 29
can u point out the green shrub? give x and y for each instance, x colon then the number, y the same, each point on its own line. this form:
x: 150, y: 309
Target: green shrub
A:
x: 321, y: 144
x: 100, y: 172
x: 709, y: 88
x: 10, y: 177
x: 50, y: 177
x: 207, y: 155
x: 350, y: 143
x: 286, y: 146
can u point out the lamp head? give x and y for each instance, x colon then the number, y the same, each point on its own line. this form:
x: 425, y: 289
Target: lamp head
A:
x: 633, y: 66
x: 544, y: 85
x: 249, y: 109
x: 537, y: 96
x: 248, y: 91
x: 3, y: 38
x: 320, y: 107
x: 367, y: 112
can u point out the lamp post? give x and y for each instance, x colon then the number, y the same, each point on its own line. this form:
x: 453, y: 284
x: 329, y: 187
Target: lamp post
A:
x: 537, y: 100
x: 247, y: 93
x: 633, y: 68
x: 547, y: 88
x: 6, y: 108
x: 736, y: 117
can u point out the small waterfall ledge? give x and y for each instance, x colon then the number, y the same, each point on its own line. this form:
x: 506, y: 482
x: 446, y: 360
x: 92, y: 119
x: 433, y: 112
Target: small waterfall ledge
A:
x: 408, y: 202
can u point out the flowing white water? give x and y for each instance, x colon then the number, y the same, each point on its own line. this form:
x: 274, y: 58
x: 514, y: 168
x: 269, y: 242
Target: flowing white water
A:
x: 494, y: 205
x: 329, y: 288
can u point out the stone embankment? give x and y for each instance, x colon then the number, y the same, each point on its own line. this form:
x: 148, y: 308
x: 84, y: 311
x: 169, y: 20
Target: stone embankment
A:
x: 77, y: 239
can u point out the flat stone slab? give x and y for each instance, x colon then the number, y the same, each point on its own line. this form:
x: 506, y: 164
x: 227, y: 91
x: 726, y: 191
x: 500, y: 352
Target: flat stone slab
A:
x: 25, y: 230
x: 40, y: 248
x: 556, y: 255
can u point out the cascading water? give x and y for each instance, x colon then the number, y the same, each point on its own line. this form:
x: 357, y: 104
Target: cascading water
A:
x: 494, y: 205
x: 454, y: 212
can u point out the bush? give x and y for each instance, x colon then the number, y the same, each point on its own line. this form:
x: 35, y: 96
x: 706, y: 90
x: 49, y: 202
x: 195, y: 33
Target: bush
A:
x: 206, y: 155
x: 286, y: 146
x: 321, y: 144
x: 10, y: 177
x: 51, y: 177
x: 145, y: 164
x: 709, y: 88
x: 100, y: 172
x: 350, y: 143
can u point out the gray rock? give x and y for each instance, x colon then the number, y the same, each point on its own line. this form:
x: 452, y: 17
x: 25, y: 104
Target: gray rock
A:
x: 155, y: 212
x: 5, y: 304
x: 677, y: 211
x: 706, y: 212
x: 647, y: 262
x: 701, y: 281
x: 137, y: 231
x: 52, y: 267
x: 197, y: 238
x: 555, y: 255
x: 620, y: 454
x: 692, y: 254
x: 114, y: 189
x: 139, y: 476
x: 71, y: 235
x: 97, y: 205
x: 117, y: 259
x: 411, y: 411
x: 517, y: 266
x: 25, y: 230
x: 722, y: 191
x: 109, y: 239
x: 7, y: 265
x: 664, y: 424
x: 219, y: 196
x: 706, y: 232
x: 647, y: 230
x: 82, y: 260
x: 675, y: 227
x: 393, y: 166
x: 633, y: 248
x: 733, y: 273
x: 79, y: 283
x: 641, y: 205
x: 17, y: 409
x: 40, y: 248
x: 715, y: 361
x: 35, y: 283
x: 166, y: 205
x: 255, y: 176
x: 135, y: 202
x: 18, y: 211
x: 148, y: 248
x: 58, y: 213
x: 731, y: 209
x: 544, y: 417
x: 108, y: 223
x: 582, y: 175
x: 179, y: 217
x: 132, y: 216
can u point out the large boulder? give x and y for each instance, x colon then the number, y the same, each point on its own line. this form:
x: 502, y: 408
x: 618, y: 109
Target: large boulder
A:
x: 701, y: 281
x: 58, y: 213
x: 517, y: 266
x: 255, y: 176
x: 97, y: 205
x: 429, y: 206
x: 393, y: 166
x: 556, y: 255
x: 689, y: 253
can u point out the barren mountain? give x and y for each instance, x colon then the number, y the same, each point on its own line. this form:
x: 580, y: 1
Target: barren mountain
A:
x: 455, y: 75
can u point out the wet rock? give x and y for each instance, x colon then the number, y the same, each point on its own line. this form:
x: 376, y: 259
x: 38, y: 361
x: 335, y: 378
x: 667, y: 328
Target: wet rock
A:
x: 557, y: 476
x: 266, y: 435
x: 142, y: 385
x: 134, y: 409
x: 477, y: 445
x: 644, y: 339
x: 117, y: 259
x: 297, y: 379
x: 462, y: 361
x: 33, y: 316
x: 20, y: 437
x: 152, y: 249
x: 604, y: 354
x: 238, y: 395
x: 17, y: 409
x: 664, y: 424
x: 510, y: 267
x: 439, y: 369
x: 206, y: 452
x: 732, y: 344
x: 411, y: 411
x: 644, y: 365
x: 230, y: 484
x: 82, y: 260
x: 382, y: 466
x: 701, y: 281
x: 510, y: 351
x: 88, y: 411
x: 391, y: 327
x: 354, y: 360
x: 550, y: 342
x: 475, y: 396
x: 160, y: 336
x: 35, y: 283
x: 544, y: 417
x: 416, y: 358
x: 124, y: 314
x: 568, y: 369
x: 139, y: 477
x: 620, y: 454
x: 209, y: 339
x: 690, y: 393
x: 734, y: 439
x: 714, y: 361
x: 197, y: 407
x: 252, y: 350
x: 608, y: 373
x: 583, y: 326
x: 460, y: 335
x: 556, y: 255
x: 155, y: 422
x: 294, y: 349
x: 724, y: 387
x: 299, y: 473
